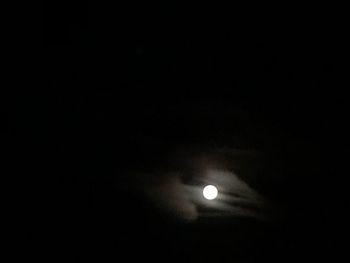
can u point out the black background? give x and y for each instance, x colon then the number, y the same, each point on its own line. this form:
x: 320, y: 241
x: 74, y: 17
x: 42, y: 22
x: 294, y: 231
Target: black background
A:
x: 122, y: 85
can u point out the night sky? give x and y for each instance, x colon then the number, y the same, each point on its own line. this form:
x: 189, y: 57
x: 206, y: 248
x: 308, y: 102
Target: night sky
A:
x: 141, y: 101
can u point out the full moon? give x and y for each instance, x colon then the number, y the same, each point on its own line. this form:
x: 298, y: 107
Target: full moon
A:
x: 210, y: 192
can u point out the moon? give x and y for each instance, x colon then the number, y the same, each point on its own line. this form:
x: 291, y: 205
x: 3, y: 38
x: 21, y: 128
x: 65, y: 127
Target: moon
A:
x: 210, y: 192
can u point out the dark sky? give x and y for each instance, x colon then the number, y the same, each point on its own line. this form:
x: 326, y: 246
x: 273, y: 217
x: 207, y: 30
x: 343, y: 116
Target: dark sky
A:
x: 127, y: 86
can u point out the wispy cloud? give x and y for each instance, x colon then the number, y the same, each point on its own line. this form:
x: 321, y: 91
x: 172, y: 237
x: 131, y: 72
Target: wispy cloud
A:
x: 186, y: 202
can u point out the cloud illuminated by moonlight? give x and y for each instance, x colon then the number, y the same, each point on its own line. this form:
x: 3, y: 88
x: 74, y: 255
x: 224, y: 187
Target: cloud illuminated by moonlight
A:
x: 186, y: 202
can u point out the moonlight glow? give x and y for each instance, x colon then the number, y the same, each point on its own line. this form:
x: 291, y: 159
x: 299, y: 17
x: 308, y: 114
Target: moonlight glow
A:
x: 210, y: 192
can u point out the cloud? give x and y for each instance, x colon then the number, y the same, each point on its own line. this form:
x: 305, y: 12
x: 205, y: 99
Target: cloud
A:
x: 185, y: 202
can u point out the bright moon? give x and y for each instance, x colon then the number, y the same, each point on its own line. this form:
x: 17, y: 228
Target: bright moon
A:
x: 210, y: 192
